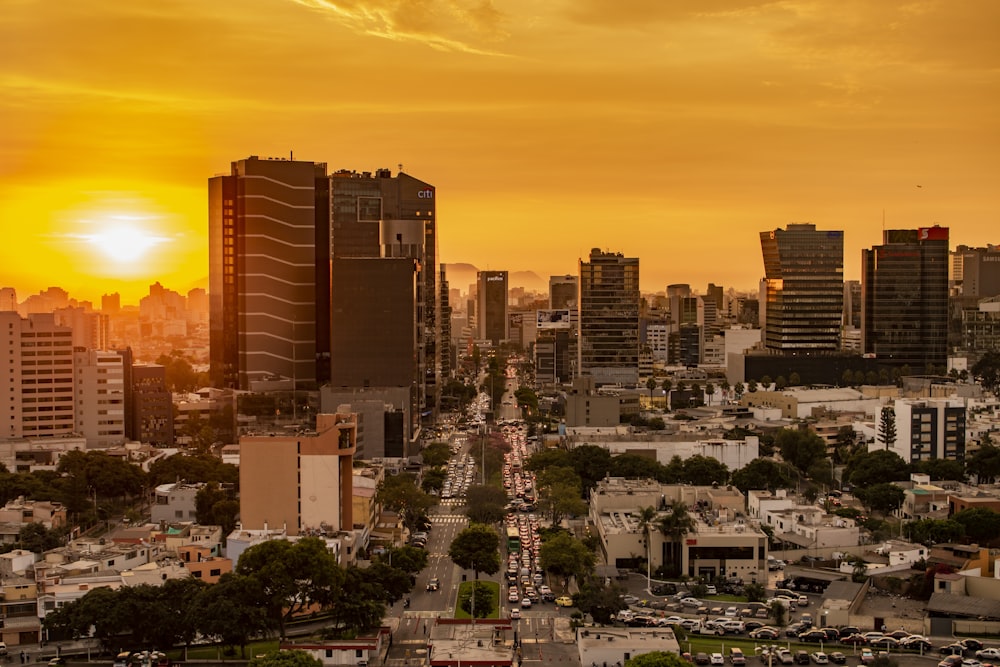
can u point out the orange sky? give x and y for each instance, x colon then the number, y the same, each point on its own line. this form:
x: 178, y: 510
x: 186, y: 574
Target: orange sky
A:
x: 674, y: 130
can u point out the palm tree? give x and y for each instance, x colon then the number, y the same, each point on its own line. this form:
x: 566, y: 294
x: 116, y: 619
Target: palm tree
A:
x: 675, y: 524
x: 646, y: 517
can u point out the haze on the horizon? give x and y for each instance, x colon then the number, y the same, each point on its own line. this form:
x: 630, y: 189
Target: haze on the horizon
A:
x: 673, y: 131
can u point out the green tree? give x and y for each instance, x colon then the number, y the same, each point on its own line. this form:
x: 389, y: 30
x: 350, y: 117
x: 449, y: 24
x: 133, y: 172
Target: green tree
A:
x: 433, y: 479
x: 479, y: 594
x: 794, y: 379
x: 709, y: 391
x: 646, y: 517
x: 35, y: 537
x: 739, y: 390
x: 984, y: 463
x: 755, y: 592
x: 986, y: 371
x: 476, y: 548
x: 180, y: 375
x: 657, y: 659
x: 780, y: 383
x: 546, y: 458
x: 884, y: 498
x: 565, y: 556
x: 591, y: 463
x: 436, y: 454
x: 751, y: 386
x: 229, y: 611
x: 881, y: 465
x: 934, y: 531
x: 887, y: 428
x: 981, y: 525
x: 634, y: 466
x: 394, y: 582
x: 285, y: 658
x: 762, y: 473
x: 292, y: 576
x: 600, y: 601
x: 675, y: 523
x: 778, y: 613
x: 800, y: 447
x: 399, y: 493
x: 702, y: 470
x: 406, y: 559
x: 941, y: 469
x: 193, y: 468
x: 766, y: 381
x: 847, y: 379
x: 360, y: 603
x: 485, y: 504
x: 560, y: 490
x: 215, y: 506
x: 651, y: 385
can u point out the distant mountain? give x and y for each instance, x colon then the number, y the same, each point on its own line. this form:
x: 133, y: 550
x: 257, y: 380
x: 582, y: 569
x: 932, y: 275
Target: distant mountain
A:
x: 529, y: 280
x: 462, y: 275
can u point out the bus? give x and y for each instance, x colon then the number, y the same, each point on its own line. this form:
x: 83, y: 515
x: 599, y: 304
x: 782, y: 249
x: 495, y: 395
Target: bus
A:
x: 513, y: 540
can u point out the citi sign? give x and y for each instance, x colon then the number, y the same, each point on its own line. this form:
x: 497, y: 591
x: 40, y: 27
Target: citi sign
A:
x: 426, y: 193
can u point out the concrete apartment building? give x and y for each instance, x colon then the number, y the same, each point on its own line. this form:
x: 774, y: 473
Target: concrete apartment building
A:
x: 174, y: 502
x: 100, y: 393
x: 300, y: 483
x: 926, y: 429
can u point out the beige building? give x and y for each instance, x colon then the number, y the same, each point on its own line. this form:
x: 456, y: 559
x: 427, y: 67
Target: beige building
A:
x: 722, y: 544
x: 300, y: 482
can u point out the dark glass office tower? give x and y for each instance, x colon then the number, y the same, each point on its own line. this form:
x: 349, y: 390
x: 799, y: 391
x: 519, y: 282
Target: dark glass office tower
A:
x: 609, y: 318
x: 804, y: 270
x: 491, y: 306
x: 904, y: 318
x: 268, y: 234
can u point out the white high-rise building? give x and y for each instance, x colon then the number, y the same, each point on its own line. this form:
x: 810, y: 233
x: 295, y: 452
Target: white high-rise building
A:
x: 100, y: 392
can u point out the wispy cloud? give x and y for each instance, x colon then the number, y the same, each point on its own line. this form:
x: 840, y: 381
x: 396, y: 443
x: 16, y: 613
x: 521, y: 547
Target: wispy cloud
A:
x: 448, y: 25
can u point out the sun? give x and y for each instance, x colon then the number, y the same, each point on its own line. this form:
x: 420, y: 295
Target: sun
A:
x: 124, y: 239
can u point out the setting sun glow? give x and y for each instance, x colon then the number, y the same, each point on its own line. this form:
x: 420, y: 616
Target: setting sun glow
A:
x: 124, y: 241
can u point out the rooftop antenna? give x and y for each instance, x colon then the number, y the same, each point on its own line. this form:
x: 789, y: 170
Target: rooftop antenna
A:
x: 291, y: 156
x: 400, y: 167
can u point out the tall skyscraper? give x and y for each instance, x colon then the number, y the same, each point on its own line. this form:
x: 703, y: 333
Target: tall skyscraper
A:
x: 609, y: 318
x: 275, y: 227
x: 268, y: 243
x: 904, y: 288
x: 804, y: 270
x: 491, y: 306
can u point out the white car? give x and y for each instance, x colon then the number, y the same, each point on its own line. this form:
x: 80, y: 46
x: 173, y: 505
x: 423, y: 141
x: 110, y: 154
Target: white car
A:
x: 991, y: 653
x: 820, y: 658
x: 515, y: 613
x: 717, y: 659
x: 525, y: 603
x: 691, y: 602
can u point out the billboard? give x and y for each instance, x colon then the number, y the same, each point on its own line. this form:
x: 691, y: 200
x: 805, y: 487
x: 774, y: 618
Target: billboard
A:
x: 554, y: 319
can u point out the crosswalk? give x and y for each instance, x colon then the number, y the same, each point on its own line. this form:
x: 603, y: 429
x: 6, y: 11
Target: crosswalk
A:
x: 448, y: 518
x: 452, y: 502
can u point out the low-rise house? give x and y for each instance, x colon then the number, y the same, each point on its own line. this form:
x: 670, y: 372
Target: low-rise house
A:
x: 369, y: 649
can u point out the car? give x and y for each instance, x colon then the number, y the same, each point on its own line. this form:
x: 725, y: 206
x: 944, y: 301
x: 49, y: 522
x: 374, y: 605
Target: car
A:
x: 971, y: 662
x: 711, y: 590
x: 990, y: 653
x: 58, y: 661
x: 525, y: 603
x: 971, y: 644
x: 855, y: 639
x: 750, y: 626
x: 564, y: 601
x: 716, y: 659
x: 953, y: 649
x: 515, y: 613
x: 690, y: 602
x: 664, y: 589
x: 629, y: 599
x: 832, y: 634
x: 701, y: 659
x: 766, y: 632
x: 838, y: 658
x: 736, y: 657
x: 867, y: 656
x: 812, y: 636
x: 795, y: 629
x: 513, y: 596
x: 802, y: 657
x: 802, y: 601
x: 872, y: 636
x: 951, y: 661
x: 706, y: 629
x: 732, y: 612
x: 917, y: 643
x: 434, y: 584
x: 848, y: 630
x: 785, y: 657
x: 885, y: 642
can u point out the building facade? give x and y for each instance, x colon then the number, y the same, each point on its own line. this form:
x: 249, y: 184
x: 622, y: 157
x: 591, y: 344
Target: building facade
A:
x: 299, y: 483
x: 929, y: 429
x: 804, y: 273
x: 492, y: 319
x: 904, y: 318
x: 608, y: 348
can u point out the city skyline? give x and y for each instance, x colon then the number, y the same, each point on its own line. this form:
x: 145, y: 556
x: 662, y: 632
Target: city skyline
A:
x: 666, y: 131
